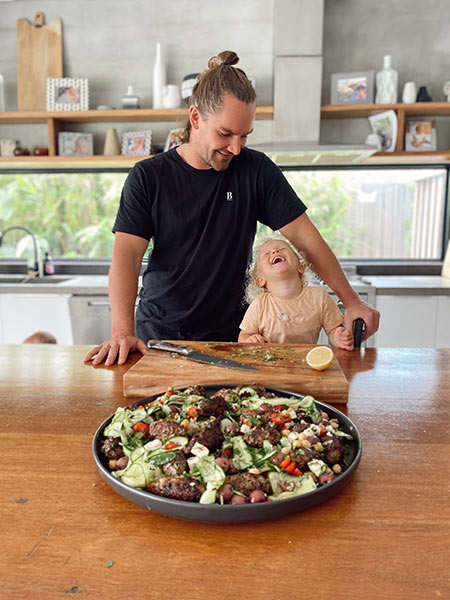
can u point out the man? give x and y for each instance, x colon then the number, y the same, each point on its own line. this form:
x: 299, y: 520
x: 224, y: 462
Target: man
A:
x: 200, y: 202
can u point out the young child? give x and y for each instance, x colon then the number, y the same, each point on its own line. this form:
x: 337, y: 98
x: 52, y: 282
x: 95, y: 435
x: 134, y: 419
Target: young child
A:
x: 40, y: 337
x: 284, y: 309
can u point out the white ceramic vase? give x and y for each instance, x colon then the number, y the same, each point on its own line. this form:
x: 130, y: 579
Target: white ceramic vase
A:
x: 171, y: 96
x: 387, y: 83
x: 409, y: 94
x: 159, y: 78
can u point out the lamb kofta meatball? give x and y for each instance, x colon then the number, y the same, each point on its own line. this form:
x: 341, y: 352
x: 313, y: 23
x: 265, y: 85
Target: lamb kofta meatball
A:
x: 246, y: 483
x: 179, y: 487
x: 209, y: 436
x: 212, y: 407
x: 112, y: 448
x: 164, y: 428
x: 177, y: 466
x: 195, y: 390
x: 333, y: 449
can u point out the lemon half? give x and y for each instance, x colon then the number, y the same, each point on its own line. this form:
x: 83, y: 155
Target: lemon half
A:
x: 320, y: 358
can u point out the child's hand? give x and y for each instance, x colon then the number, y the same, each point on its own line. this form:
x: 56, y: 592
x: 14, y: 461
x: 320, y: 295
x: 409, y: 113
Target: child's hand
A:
x: 254, y: 338
x: 343, y: 338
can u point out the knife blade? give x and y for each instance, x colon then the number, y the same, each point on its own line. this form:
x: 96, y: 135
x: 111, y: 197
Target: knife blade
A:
x: 208, y: 359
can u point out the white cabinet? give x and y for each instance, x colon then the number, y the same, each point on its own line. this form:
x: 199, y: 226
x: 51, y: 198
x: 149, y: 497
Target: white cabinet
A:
x: 413, y: 321
x: 24, y: 314
x: 443, y: 322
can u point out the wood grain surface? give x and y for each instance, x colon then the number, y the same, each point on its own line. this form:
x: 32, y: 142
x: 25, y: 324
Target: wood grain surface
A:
x: 39, y: 55
x: 66, y: 534
x: 281, y: 366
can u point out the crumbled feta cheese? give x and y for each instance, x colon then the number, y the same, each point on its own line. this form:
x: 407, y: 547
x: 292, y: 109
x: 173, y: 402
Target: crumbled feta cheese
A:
x: 318, y: 467
x: 192, y: 461
x: 245, y: 428
x: 312, y: 430
x: 199, y: 450
x: 153, y: 445
x: 291, y: 412
x: 293, y: 435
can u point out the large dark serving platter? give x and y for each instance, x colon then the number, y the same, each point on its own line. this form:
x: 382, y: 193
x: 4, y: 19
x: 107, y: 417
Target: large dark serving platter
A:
x: 234, y: 513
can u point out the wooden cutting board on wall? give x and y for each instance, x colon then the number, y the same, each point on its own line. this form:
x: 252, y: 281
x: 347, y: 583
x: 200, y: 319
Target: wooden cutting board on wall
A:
x: 39, y: 55
x: 281, y: 366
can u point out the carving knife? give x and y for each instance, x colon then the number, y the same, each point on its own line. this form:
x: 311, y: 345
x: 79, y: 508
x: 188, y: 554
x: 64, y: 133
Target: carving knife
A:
x: 208, y: 359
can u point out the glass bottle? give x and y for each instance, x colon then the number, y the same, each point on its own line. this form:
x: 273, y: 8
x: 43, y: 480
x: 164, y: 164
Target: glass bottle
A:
x: 49, y: 267
x: 387, y: 83
x: 130, y: 100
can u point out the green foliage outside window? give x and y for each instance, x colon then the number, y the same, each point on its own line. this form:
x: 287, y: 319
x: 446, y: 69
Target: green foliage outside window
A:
x: 70, y: 213
x: 328, y: 203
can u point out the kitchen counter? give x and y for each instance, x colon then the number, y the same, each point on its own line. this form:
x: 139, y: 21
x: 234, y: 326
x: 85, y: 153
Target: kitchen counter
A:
x: 66, y: 532
x: 98, y: 285
x: 410, y: 284
x: 77, y: 285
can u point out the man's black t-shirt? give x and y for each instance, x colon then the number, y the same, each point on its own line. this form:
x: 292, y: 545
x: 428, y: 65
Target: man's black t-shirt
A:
x: 203, y: 224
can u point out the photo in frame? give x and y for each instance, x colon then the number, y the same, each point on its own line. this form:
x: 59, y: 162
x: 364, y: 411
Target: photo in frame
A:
x: 136, y: 143
x: 384, y: 124
x: 173, y: 139
x: 352, y: 88
x: 75, y: 143
x: 67, y: 93
x: 420, y: 135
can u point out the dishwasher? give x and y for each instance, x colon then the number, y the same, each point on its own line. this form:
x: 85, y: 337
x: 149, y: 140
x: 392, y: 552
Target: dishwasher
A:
x: 90, y: 318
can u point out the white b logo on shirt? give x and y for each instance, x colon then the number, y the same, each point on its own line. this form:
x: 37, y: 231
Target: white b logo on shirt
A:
x: 229, y: 196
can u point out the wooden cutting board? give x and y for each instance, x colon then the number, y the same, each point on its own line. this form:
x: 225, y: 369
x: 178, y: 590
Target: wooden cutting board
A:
x: 39, y: 55
x: 281, y: 366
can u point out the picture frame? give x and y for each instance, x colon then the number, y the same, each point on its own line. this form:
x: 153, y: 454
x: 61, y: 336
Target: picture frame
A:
x: 384, y: 124
x: 136, y: 143
x: 420, y: 135
x: 173, y: 139
x: 67, y: 93
x: 75, y: 143
x: 352, y: 88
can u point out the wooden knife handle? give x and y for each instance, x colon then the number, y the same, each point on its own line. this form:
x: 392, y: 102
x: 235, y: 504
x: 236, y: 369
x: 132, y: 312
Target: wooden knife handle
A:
x: 168, y: 347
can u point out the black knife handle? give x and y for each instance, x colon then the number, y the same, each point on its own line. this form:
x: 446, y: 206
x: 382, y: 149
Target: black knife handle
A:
x: 168, y: 347
x: 358, y: 329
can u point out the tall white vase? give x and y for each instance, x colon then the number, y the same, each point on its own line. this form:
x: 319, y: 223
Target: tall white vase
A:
x: 159, y: 78
x: 387, y: 83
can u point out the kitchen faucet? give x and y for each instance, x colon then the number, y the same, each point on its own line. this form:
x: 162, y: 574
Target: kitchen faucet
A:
x: 37, y: 262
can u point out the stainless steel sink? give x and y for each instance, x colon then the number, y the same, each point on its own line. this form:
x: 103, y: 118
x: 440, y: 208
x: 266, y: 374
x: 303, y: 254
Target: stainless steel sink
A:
x: 27, y: 279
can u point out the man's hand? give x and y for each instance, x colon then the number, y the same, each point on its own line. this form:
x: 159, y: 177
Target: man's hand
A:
x: 117, y: 347
x: 360, y: 309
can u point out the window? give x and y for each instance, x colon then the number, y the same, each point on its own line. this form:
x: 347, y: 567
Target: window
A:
x: 70, y: 213
x: 363, y: 213
x: 377, y: 213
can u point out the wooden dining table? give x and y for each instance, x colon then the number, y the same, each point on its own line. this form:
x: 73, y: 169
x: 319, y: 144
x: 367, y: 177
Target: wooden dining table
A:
x: 65, y: 533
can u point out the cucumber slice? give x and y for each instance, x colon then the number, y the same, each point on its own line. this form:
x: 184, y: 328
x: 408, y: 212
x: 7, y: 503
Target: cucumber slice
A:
x: 179, y: 440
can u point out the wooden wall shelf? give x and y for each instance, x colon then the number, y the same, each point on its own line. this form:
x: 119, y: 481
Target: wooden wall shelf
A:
x: 354, y: 111
x: 416, y: 109
x: 57, y: 121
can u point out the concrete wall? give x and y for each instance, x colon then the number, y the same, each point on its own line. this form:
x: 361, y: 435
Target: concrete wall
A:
x: 112, y: 43
x: 357, y: 33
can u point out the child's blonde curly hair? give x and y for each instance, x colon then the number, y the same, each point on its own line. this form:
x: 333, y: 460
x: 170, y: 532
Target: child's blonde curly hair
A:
x: 252, y: 289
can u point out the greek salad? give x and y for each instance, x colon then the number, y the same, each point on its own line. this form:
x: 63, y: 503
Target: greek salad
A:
x: 235, y: 446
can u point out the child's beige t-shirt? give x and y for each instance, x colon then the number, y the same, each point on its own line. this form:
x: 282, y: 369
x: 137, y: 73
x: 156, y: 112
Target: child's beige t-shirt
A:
x: 295, y: 321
